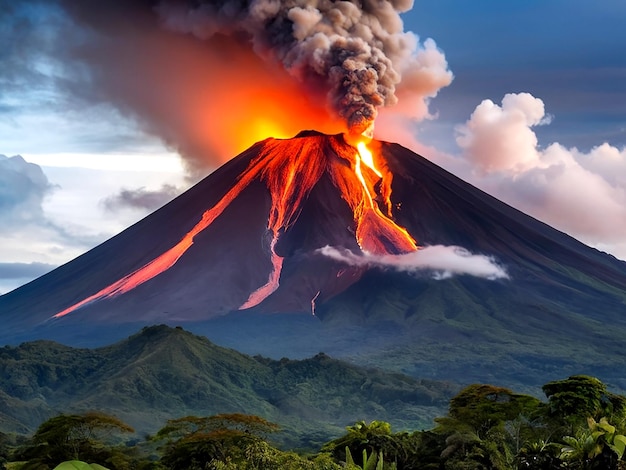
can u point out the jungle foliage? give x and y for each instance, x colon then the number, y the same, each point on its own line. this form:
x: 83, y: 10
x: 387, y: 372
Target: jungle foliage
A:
x: 162, y: 373
x: 580, y: 425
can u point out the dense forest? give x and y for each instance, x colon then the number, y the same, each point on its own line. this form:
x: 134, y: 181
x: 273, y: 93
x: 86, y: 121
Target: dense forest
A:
x: 580, y: 425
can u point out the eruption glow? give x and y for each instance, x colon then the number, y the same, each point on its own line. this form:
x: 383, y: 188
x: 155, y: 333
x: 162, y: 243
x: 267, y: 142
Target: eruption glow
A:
x: 211, y: 77
x: 290, y: 169
x: 354, y: 55
x: 227, y: 73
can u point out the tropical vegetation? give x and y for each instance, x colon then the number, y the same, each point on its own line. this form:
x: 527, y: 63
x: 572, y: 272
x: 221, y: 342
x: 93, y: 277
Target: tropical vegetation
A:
x: 580, y: 425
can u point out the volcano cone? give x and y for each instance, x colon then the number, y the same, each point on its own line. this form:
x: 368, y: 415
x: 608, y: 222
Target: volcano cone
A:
x: 242, y: 253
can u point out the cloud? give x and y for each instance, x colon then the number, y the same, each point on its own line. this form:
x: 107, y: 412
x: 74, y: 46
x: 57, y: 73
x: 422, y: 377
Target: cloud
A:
x: 24, y: 270
x: 30, y: 241
x: 582, y: 194
x: 141, y: 198
x: 24, y: 35
x: 443, y: 261
x: 23, y: 187
x: 13, y: 275
x: 499, y: 138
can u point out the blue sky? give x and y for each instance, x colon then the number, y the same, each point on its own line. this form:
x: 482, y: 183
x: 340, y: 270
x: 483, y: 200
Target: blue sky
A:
x: 566, y: 52
x: 92, y: 164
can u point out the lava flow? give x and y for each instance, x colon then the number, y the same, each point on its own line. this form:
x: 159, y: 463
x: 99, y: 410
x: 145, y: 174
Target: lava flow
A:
x: 290, y: 169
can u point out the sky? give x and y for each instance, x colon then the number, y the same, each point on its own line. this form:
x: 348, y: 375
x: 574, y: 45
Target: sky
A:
x: 524, y: 99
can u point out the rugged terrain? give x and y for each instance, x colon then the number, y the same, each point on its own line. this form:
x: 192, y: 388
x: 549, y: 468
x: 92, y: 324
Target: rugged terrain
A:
x: 162, y: 373
x: 561, y: 311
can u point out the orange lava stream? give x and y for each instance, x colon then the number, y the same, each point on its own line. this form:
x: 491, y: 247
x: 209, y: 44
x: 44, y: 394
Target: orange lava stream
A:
x: 290, y: 169
x: 376, y: 233
x: 289, y: 180
x: 166, y: 260
x: 272, y: 283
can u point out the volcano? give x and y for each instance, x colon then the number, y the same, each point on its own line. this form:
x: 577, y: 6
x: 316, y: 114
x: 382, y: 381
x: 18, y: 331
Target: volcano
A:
x: 308, y: 244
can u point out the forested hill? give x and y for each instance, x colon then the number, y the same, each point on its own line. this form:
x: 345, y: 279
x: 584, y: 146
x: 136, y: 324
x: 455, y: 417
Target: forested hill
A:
x: 161, y: 373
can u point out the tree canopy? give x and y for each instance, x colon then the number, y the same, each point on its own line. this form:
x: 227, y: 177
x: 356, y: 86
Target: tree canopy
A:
x: 581, y: 426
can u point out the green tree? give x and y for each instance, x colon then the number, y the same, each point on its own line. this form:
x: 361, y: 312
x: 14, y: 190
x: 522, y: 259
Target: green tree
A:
x: 85, y: 436
x: 190, y: 425
x: 219, y: 441
x: 4, y: 450
x: 367, y: 439
x: 539, y: 454
x: 475, y: 428
x: 573, y: 400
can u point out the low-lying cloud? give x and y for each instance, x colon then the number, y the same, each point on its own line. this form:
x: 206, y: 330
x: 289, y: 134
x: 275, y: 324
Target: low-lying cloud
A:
x: 30, y: 242
x: 443, y: 261
x: 13, y: 275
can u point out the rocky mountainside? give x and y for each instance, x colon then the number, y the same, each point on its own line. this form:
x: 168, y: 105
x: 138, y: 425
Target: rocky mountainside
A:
x: 300, y: 226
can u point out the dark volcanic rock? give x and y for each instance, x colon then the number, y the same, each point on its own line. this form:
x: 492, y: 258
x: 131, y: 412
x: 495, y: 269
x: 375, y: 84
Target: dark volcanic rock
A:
x: 561, y: 311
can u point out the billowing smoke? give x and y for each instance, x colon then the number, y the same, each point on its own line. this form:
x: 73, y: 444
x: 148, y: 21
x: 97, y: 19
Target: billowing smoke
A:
x: 441, y: 261
x: 354, y: 51
x: 211, y: 78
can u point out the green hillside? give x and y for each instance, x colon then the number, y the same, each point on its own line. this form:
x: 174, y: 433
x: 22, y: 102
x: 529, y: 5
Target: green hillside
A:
x: 161, y: 373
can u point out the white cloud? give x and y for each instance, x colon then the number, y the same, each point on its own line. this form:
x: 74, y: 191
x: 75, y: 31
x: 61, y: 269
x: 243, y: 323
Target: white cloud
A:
x: 499, y: 138
x: 51, y: 215
x: 28, y: 239
x: 582, y: 194
x: 13, y: 275
x: 23, y: 187
x: 442, y: 261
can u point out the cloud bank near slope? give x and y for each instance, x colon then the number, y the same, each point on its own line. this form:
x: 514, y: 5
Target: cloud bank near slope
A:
x: 443, y: 261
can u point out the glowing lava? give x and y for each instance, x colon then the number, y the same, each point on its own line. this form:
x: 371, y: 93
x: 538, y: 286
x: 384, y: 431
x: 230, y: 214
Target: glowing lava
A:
x: 376, y: 233
x: 290, y: 169
x: 367, y: 157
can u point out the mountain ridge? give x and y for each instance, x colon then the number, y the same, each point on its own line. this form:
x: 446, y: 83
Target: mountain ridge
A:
x: 563, y: 305
x: 161, y: 373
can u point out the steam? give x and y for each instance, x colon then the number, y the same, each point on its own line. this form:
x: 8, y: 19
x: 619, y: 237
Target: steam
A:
x: 443, y: 261
x: 356, y: 52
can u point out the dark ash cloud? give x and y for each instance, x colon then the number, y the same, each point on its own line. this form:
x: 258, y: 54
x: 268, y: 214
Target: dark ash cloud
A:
x: 141, y: 198
x: 178, y: 68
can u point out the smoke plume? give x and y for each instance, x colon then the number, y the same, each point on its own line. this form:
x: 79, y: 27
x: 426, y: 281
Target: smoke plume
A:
x: 140, y: 198
x: 211, y: 78
x: 354, y: 51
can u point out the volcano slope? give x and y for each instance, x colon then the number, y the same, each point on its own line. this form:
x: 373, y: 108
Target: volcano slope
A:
x: 237, y: 258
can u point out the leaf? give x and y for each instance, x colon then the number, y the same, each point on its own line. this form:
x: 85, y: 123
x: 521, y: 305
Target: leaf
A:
x: 604, y: 425
x: 619, y: 445
x: 369, y: 463
x: 381, y: 462
x: 78, y: 465
x: 349, y: 459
